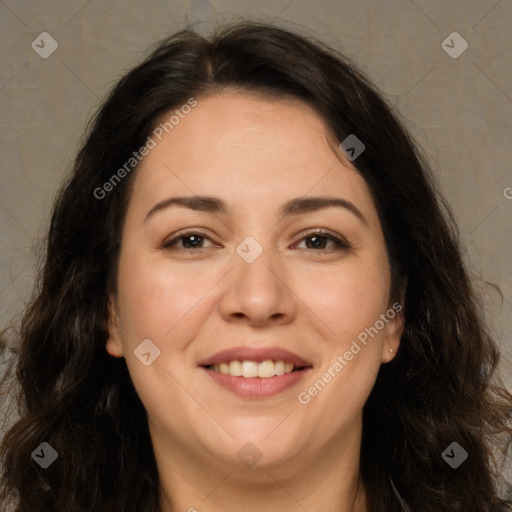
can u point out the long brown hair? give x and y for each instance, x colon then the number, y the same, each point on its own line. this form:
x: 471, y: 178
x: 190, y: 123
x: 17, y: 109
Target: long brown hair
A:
x: 439, y: 389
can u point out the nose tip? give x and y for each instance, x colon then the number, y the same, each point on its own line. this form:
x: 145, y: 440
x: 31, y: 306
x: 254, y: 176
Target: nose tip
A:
x: 256, y: 294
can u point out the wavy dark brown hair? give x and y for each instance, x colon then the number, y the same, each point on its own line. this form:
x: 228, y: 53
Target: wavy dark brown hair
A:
x: 440, y: 388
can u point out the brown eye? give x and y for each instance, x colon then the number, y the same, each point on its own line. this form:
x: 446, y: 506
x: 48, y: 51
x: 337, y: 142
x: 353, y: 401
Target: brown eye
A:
x: 322, y: 241
x: 192, y: 241
x: 316, y: 242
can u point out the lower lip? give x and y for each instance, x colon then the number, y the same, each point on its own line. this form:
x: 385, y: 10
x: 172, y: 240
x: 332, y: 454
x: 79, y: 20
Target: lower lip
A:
x: 256, y: 387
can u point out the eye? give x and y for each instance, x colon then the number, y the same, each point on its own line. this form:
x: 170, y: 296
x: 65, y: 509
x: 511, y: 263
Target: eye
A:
x: 322, y: 241
x: 191, y: 241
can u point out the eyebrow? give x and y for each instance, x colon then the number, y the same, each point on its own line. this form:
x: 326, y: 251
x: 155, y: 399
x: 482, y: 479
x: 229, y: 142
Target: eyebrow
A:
x: 197, y: 203
x: 297, y: 206
x: 303, y: 205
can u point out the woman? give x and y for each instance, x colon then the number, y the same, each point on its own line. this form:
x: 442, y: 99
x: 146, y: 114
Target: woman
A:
x: 253, y: 299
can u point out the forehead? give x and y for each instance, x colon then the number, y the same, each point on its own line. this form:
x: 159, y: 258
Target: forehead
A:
x: 241, y: 121
x: 236, y: 109
x: 244, y: 146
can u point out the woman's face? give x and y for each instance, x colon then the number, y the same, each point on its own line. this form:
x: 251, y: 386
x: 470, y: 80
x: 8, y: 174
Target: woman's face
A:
x: 283, y: 262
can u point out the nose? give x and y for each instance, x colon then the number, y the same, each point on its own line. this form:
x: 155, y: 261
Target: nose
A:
x: 258, y: 293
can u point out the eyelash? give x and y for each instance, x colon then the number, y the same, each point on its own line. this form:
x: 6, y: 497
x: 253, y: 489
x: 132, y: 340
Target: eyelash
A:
x: 341, y: 243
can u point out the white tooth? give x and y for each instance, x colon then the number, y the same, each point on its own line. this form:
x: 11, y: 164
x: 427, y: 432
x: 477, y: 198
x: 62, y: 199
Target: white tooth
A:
x: 266, y: 369
x: 263, y: 370
x: 249, y: 369
x: 279, y: 367
x: 235, y: 368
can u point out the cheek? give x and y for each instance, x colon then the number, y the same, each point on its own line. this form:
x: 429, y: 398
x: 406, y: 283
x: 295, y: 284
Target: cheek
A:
x: 155, y: 299
x: 168, y: 307
x: 349, y: 302
x: 347, y: 299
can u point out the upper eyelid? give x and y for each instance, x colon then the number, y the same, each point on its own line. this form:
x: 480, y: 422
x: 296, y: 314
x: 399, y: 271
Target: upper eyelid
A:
x: 318, y: 231
x: 322, y: 232
x: 177, y: 236
x: 338, y: 240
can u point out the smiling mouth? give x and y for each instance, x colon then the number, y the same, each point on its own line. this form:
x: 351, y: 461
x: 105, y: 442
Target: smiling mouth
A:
x: 250, y: 369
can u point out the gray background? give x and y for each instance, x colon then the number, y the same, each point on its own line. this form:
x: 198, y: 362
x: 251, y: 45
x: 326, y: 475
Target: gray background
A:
x: 459, y: 109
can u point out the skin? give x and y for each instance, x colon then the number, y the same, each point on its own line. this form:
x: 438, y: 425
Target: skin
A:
x: 255, y: 154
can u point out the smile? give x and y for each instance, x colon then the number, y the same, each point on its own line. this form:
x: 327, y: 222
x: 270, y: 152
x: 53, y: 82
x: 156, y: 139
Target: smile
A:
x: 252, y: 373
x: 263, y: 370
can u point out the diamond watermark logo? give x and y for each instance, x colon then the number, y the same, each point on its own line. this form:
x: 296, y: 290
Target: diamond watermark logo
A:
x: 454, y: 45
x: 44, y: 45
x: 454, y: 455
x: 147, y: 352
x: 352, y: 147
x: 249, y: 455
x: 249, y: 250
x: 45, y: 455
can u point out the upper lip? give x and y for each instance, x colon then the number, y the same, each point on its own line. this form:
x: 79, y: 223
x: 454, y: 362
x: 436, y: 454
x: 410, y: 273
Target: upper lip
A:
x: 255, y: 354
